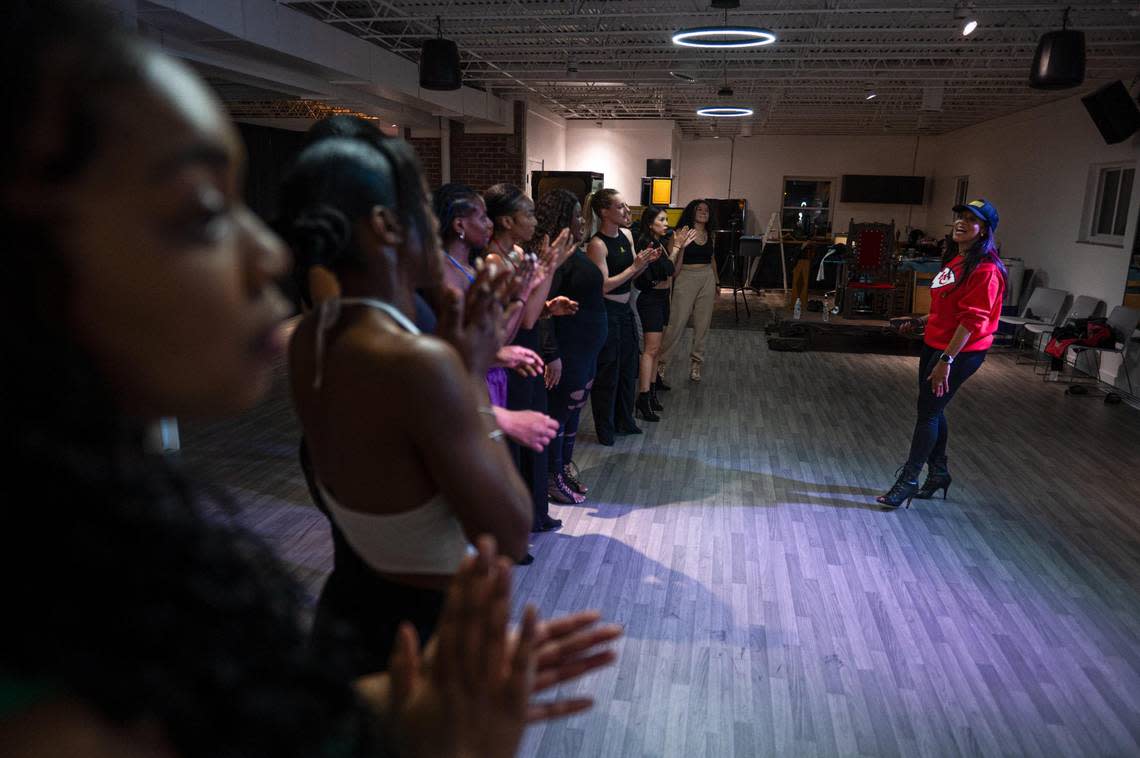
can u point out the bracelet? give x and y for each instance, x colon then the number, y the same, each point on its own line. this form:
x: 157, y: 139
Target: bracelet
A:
x: 517, y: 299
x: 486, y: 409
x: 495, y: 434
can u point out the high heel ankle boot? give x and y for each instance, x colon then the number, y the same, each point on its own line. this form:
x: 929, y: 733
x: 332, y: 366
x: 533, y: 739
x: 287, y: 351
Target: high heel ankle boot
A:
x: 935, y: 480
x: 661, y: 385
x: 643, y: 410
x: 654, y: 403
x: 902, y: 491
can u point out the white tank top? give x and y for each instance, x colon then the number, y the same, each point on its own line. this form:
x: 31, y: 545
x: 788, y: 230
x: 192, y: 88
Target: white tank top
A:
x: 424, y: 540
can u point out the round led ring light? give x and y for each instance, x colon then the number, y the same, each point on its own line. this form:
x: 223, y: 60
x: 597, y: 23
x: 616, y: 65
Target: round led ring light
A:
x: 714, y: 37
x: 723, y: 111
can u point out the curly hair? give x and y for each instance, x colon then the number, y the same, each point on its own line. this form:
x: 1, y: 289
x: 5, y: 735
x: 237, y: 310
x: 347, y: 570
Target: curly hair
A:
x: 139, y: 592
x: 555, y: 212
x: 689, y: 215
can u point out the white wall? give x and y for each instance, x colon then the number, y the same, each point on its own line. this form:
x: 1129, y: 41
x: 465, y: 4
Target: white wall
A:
x: 545, y: 140
x: 619, y: 150
x: 1034, y: 166
x: 760, y: 164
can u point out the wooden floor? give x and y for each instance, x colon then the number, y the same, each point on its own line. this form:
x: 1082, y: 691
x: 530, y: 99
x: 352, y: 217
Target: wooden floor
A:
x: 772, y: 609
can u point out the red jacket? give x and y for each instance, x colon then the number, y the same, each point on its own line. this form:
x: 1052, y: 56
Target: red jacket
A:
x: 974, y: 304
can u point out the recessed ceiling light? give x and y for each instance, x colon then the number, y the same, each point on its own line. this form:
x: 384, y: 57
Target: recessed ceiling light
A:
x: 969, y: 27
x: 871, y: 96
x: 724, y: 112
x: 682, y: 76
x: 723, y: 37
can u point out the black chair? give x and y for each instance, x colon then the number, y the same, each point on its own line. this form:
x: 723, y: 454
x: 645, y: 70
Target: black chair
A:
x: 750, y: 249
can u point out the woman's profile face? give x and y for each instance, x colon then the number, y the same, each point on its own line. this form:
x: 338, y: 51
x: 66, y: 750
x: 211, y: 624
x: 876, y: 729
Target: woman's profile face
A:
x: 660, y: 224
x: 577, y: 224
x: 476, y: 226
x: 524, y: 221
x: 171, y: 275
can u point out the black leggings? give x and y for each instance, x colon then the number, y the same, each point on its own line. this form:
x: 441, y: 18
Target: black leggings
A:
x: 928, y: 445
x: 529, y: 394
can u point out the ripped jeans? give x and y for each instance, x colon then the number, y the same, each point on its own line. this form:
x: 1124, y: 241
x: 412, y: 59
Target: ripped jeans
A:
x: 565, y: 404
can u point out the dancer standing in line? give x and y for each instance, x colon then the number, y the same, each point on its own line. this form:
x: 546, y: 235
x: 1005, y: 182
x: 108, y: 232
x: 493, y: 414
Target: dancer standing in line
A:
x: 694, y: 290
x: 653, y: 300
x: 571, y: 344
x: 611, y: 249
x: 965, y: 306
x: 466, y: 231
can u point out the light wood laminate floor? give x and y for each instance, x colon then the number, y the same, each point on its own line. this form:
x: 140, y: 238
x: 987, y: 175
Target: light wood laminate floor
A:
x: 771, y: 608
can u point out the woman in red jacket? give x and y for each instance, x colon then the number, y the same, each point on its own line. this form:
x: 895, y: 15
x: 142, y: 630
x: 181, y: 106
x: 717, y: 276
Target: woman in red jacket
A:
x: 965, y: 305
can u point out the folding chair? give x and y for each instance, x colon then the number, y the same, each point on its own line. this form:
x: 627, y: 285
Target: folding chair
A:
x: 1084, y: 306
x: 1045, y: 306
x: 1122, y: 321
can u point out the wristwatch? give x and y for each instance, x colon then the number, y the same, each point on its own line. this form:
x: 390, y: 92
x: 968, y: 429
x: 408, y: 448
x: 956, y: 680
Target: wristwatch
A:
x: 947, y: 359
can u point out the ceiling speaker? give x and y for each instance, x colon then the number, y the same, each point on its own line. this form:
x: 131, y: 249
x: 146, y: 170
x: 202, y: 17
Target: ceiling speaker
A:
x: 1113, y: 111
x: 1059, y: 62
x: 439, y: 65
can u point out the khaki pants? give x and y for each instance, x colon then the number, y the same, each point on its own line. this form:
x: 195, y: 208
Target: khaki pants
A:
x: 801, y: 279
x: 694, y: 291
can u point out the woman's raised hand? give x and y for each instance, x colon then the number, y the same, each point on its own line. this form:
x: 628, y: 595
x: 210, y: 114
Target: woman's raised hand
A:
x: 475, y: 323
x: 683, y: 237
x: 469, y: 693
x: 646, y: 256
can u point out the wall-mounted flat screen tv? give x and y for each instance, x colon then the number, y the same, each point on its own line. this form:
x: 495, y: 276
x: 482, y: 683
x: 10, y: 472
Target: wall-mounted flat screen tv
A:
x: 894, y: 190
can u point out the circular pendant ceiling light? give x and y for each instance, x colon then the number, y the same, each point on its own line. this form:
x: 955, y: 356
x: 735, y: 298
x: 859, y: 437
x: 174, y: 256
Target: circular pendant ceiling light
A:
x: 723, y: 37
x: 724, y: 111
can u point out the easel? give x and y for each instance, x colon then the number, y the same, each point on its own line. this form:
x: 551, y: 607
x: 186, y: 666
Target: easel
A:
x: 773, y: 235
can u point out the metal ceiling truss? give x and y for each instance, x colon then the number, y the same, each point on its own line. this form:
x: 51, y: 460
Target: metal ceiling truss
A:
x: 595, y: 59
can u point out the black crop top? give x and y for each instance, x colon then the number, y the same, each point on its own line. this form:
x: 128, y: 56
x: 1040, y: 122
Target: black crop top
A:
x: 657, y: 271
x: 619, y: 257
x: 696, y: 253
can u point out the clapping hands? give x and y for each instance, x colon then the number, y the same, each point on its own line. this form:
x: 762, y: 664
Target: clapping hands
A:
x: 683, y: 237
x: 469, y: 692
x: 475, y: 323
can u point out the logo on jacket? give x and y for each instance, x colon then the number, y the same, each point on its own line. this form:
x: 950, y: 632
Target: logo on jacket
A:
x: 944, y: 278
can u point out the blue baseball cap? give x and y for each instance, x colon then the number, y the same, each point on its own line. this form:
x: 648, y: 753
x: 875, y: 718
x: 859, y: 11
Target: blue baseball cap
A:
x: 981, y: 208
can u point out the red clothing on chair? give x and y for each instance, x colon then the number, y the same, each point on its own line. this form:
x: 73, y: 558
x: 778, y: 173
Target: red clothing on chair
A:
x: 974, y: 304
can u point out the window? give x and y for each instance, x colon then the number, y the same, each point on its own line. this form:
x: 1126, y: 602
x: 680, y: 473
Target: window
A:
x: 1107, y: 217
x: 806, y: 207
x: 961, y: 190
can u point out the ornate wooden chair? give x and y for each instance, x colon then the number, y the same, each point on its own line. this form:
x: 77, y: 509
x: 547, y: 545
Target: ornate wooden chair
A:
x: 869, y: 280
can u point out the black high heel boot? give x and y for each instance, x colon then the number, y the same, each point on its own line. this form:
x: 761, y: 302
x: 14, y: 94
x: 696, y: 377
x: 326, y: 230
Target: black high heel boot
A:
x: 935, y: 480
x: 643, y: 410
x: 661, y: 385
x: 902, y: 491
x: 654, y: 403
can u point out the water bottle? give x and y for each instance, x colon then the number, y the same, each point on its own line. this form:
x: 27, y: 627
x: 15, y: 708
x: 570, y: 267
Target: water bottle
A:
x: 796, y: 311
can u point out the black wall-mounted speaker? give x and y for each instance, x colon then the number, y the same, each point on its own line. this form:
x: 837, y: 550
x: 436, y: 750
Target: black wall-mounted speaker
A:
x: 439, y: 65
x: 1113, y: 111
x: 1059, y: 62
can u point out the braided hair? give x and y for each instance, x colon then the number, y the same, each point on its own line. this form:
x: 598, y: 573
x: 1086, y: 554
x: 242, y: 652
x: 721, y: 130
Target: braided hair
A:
x: 503, y: 199
x: 555, y: 212
x: 453, y: 201
x: 139, y: 593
